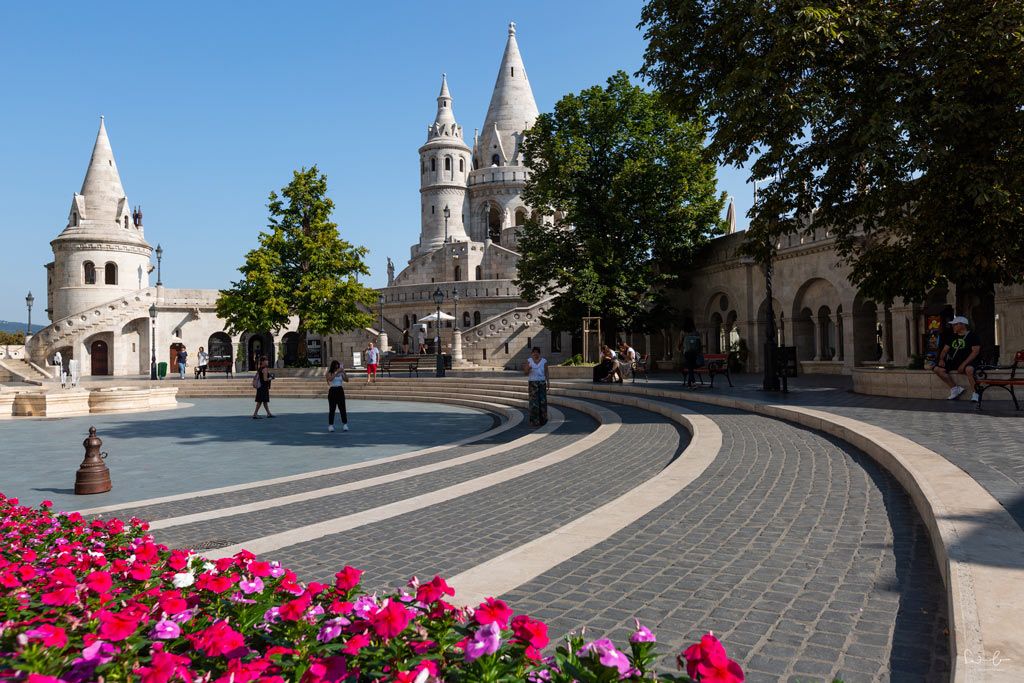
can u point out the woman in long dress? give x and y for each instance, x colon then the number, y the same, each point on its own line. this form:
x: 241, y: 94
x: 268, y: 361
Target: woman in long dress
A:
x: 536, y: 370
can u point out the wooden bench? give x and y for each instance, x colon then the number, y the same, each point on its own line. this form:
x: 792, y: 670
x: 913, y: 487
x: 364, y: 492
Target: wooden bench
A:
x: 983, y: 382
x: 714, y: 364
x: 410, y: 364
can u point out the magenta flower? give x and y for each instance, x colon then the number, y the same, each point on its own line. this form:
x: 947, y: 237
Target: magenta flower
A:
x: 642, y: 634
x: 608, y: 655
x: 166, y: 629
x: 272, y: 615
x: 486, y: 641
x: 332, y: 629
x: 365, y: 606
x: 250, y: 587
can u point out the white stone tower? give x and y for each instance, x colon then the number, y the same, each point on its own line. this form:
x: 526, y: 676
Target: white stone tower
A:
x: 444, y: 169
x: 499, y: 175
x: 102, y: 253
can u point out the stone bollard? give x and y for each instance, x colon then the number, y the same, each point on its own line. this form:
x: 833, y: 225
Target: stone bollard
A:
x: 93, y: 475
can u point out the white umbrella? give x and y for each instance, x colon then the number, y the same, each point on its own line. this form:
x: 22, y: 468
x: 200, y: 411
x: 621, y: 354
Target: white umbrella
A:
x: 433, y: 316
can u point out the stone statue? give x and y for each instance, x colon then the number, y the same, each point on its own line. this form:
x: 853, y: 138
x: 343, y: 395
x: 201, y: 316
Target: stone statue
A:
x: 391, y: 272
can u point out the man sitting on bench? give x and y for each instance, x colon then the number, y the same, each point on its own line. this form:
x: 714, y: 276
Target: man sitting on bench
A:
x: 959, y: 355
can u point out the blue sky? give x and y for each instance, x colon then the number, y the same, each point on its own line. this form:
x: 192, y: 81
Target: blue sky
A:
x: 209, y: 106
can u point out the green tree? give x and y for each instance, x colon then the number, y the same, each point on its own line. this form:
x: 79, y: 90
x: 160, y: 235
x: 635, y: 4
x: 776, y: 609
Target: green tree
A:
x: 633, y: 196
x: 302, y: 267
x: 898, y: 125
x: 12, y: 338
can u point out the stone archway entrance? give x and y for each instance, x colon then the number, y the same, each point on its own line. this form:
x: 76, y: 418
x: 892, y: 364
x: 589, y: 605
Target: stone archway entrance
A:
x: 100, y: 360
x: 260, y: 345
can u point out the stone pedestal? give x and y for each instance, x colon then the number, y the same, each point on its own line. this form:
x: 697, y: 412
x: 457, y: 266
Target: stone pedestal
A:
x: 382, y: 341
x: 457, y: 346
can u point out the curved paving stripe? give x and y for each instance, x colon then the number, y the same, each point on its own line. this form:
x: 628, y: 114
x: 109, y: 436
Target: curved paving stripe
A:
x: 151, y: 508
x: 505, y: 572
x: 800, y: 552
x: 557, y: 419
x: 460, y: 533
x: 608, y: 424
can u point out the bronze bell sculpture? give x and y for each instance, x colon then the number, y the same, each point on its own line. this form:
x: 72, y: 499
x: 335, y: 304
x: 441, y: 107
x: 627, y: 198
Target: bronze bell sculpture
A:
x: 93, y: 475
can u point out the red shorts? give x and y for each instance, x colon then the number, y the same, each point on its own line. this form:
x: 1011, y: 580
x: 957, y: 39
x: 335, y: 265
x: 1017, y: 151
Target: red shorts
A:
x: 371, y: 368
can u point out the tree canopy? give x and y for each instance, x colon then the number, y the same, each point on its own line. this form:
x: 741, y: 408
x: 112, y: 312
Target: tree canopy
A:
x: 623, y: 196
x: 302, y: 267
x: 900, y: 125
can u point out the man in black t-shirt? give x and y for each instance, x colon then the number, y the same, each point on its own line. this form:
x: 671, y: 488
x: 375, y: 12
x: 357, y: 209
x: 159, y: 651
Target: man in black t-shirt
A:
x: 958, y: 355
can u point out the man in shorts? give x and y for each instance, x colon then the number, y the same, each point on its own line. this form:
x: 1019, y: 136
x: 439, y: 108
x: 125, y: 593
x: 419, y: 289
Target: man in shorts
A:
x: 372, y: 357
x: 959, y: 355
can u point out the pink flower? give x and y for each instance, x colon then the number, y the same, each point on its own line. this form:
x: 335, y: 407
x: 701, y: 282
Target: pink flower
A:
x: 258, y: 568
x: 49, y: 635
x: 166, y: 629
x: 332, y: 629
x: 530, y: 631
x: 642, y: 634
x: 608, y: 656
x: 60, y: 597
x: 493, y: 610
x: 250, y: 587
x: 485, y: 641
x: 220, y: 639
x: 435, y: 590
x: 347, y: 579
x: 99, y: 581
x: 708, y: 661
x: 390, y: 620
x: 116, y: 626
x: 356, y: 643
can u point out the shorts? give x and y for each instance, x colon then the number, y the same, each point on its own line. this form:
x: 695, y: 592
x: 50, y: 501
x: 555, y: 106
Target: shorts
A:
x: 954, y: 366
x: 372, y: 368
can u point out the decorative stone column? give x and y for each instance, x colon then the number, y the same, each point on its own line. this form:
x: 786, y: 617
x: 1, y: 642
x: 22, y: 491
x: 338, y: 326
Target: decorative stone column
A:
x: 382, y: 341
x: 457, y: 346
x: 816, y: 326
x: 880, y: 319
x: 838, y: 355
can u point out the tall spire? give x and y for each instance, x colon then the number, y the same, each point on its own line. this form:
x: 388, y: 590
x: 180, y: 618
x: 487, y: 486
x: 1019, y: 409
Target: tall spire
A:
x: 512, y: 109
x: 444, y: 125
x: 102, y: 185
x: 730, y: 217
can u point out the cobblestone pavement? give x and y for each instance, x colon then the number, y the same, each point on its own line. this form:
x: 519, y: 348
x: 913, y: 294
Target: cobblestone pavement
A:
x: 989, y: 446
x: 448, y: 538
x: 239, y: 528
x: 798, y: 550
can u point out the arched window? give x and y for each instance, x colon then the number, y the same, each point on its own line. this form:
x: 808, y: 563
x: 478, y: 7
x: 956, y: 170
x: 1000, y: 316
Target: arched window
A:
x: 495, y: 160
x: 433, y: 164
x: 74, y: 218
x: 110, y: 274
x: 405, y: 321
x: 126, y: 222
x: 476, y: 317
x: 466, y: 319
x: 447, y: 163
x: 90, y: 273
x: 494, y: 224
x: 458, y: 273
x: 423, y: 166
x: 520, y: 216
x: 462, y: 165
x: 479, y: 273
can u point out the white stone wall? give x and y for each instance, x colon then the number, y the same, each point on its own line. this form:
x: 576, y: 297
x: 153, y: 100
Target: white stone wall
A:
x: 66, y: 280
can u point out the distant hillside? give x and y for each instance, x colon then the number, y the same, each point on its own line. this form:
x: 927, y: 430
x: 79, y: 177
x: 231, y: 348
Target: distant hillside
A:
x: 7, y: 326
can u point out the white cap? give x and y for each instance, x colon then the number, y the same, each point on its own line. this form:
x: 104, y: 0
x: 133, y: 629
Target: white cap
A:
x: 959, y: 320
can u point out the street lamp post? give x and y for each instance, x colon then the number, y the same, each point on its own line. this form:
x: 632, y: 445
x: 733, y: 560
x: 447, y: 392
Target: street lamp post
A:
x: 438, y: 300
x: 159, y: 258
x: 382, y: 336
x: 771, y: 343
x: 444, y: 265
x: 29, y: 300
x: 152, y: 341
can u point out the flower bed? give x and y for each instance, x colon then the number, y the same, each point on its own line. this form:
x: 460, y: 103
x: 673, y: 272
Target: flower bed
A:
x: 100, y: 600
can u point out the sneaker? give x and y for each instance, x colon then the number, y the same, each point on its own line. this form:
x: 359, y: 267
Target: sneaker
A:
x: 344, y: 428
x: 330, y: 428
x: 955, y: 392
x: 975, y: 397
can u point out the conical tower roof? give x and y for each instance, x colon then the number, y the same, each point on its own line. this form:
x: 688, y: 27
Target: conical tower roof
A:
x: 101, y: 206
x: 512, y: 109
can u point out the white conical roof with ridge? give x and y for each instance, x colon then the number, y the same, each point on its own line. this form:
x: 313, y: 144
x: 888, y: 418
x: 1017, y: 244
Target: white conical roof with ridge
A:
x: 102, y: 206
x: 511, y: 111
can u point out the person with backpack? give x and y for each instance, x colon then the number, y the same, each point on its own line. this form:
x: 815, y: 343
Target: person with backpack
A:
x: 336, y: 377
x: 692, y: 349
x: 261, y: 383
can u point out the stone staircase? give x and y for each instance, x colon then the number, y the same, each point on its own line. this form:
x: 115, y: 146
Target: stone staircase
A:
x: 18, y: 370
x: 521, y: 321
x: 64, y: 332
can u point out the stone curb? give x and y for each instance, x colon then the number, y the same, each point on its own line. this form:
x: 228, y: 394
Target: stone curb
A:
x: 978, y: 546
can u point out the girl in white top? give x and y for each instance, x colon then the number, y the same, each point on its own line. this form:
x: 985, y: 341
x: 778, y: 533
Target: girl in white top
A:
x: 536, y: 370
x: 336, y: 395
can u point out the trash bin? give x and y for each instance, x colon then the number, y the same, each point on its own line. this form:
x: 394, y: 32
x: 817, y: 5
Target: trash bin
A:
x: 161, y: 370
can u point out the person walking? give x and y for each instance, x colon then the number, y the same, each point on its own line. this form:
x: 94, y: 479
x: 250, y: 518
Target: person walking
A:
x: 336, y: 377
x: 261, y: 382
x: 203, y: 359
x: 959, y: 354
x: 182, y: 361
x: 58, y: 360
x: 536, y: 370
x: 372, y: 358
x: 691, y: 347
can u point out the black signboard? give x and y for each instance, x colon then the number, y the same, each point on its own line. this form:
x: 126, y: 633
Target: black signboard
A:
x: 785, y: 361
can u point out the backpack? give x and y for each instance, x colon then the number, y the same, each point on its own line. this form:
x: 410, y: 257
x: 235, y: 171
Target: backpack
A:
x: 256, y: 380
x: 691, y: 343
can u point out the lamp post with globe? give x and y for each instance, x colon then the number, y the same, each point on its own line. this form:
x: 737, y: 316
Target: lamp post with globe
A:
x: 29, y: 300
x: 438, y: 300
x: 152, y: 341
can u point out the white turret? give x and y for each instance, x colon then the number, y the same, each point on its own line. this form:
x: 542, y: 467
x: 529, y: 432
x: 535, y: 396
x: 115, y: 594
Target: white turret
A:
x: 499, y: 175
x: 444, y: 169
x: 102, y: 253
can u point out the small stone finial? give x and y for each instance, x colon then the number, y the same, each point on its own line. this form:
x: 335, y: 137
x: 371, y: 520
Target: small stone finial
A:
x: 511, y: 29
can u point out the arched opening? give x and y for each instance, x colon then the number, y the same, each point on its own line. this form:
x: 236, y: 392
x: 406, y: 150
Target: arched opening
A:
x: 290, y: 342
x: 99, y: 358
x: 476, y: 317
x: 447, y: 163
x: 520, y: 216
x: 126, y: 222
x: 172, y: 357
x: 494, y: 224
x: 467, y: 320
x: 110, y: 273
x: 458, y: 273
x: 814, y: 328
x: 405, y: 322
x: 478, y: 274
x: 89, y: 272
x: 74, y: 218
x: 826, y: 334
x: 433, y: 164
x: 220, y: 351
x: 495, y: 160
x: 462, y: 165
x: 716, y: 334
x: 260, y: 345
